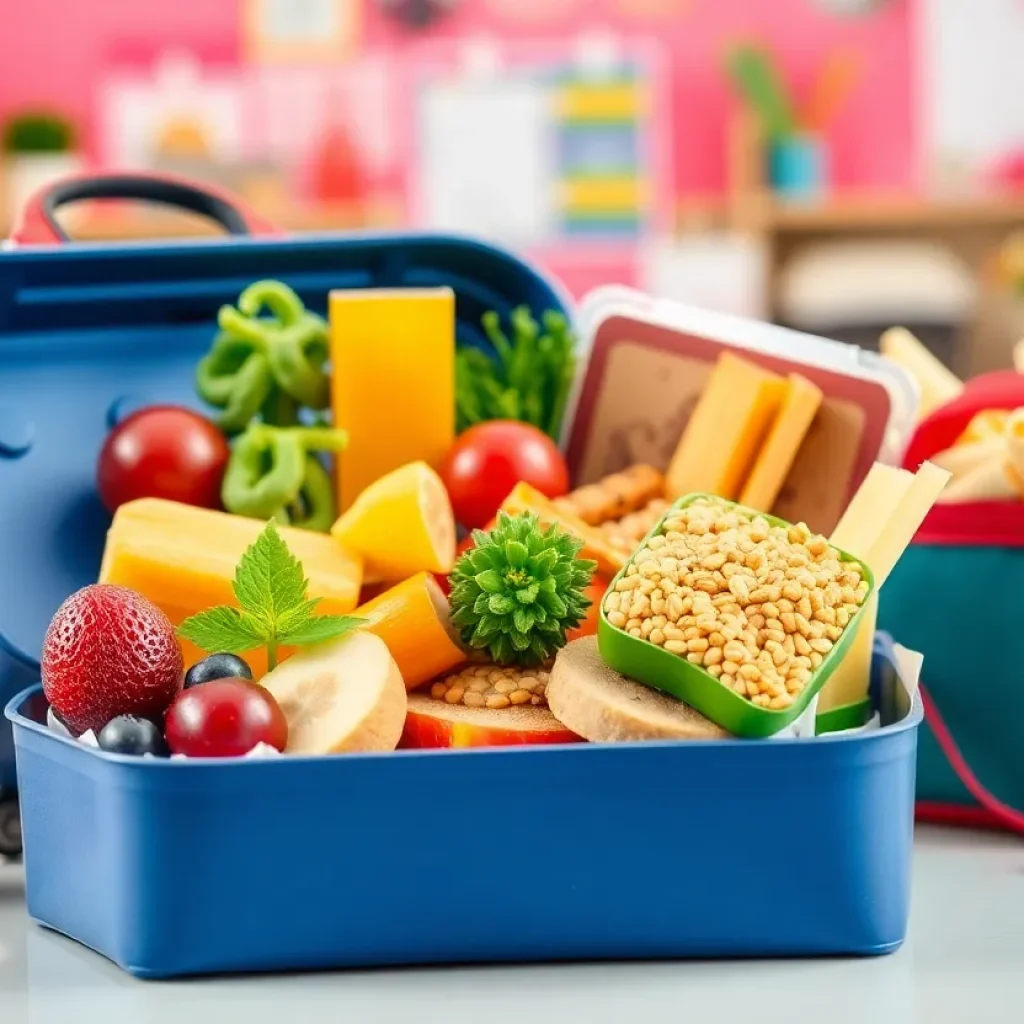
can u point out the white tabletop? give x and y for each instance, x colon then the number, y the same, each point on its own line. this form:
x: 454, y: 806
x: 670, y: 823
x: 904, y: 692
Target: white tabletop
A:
x: 963, y: 962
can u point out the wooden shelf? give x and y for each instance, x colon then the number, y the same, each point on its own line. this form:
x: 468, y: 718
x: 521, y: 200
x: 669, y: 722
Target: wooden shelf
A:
x: 896, y: 212
x: 751, y: 205
x: 850, y: 214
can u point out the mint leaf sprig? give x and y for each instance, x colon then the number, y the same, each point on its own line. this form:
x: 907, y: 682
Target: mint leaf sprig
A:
x: 273, y: 611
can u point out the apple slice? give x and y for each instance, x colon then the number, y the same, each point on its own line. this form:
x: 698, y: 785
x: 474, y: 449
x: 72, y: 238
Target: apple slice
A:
x: 484, y: 705
x: 343, y: 696
x: 434, y: 723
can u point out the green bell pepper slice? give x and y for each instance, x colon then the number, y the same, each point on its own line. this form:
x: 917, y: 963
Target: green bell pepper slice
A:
x: 273, y: 474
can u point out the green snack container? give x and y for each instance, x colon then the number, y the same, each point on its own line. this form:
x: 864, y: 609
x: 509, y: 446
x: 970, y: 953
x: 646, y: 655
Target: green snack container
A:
x: 846, y: 716
x: 646, y: 663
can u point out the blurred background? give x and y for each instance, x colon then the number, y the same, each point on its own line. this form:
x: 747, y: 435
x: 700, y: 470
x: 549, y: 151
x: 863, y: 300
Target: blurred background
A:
x: 834, y: 165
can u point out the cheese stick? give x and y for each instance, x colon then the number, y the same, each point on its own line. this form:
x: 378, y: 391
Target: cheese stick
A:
x: 938, y: 384
x: 873, y: 505
x: 898, y: 531
x: 893, y: 529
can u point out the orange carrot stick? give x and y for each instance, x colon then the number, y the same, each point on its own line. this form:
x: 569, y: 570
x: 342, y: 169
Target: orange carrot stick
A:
x: 412, y: 619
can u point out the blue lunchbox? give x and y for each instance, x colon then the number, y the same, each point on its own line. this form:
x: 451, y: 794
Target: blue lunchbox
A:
x: 727, y: 848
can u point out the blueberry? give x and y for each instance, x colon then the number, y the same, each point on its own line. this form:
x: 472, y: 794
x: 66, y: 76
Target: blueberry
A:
x: 217, y: 666
x: 127, y: 734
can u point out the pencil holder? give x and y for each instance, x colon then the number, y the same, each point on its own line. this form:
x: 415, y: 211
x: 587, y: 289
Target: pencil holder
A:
x: 798, y: 166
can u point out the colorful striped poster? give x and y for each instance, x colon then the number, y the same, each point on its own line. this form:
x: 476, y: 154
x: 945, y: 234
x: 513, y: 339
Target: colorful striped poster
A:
x: 602, y: 167
x: 540, y: 148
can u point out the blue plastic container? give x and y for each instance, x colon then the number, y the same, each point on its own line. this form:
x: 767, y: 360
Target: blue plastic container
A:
x: 653, y: 850
x: 739, y: 848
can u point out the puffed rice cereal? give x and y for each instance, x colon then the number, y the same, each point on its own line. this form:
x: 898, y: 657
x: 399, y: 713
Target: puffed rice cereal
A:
x: 757, y: 606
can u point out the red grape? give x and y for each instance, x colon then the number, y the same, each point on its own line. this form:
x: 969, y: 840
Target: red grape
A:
x: 224, y: 718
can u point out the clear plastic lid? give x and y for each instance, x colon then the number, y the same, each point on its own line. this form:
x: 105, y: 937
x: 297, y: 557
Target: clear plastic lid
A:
x: 800, y: 349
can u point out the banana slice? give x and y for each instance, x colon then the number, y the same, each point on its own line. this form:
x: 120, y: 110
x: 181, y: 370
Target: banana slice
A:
x: 344, y: 696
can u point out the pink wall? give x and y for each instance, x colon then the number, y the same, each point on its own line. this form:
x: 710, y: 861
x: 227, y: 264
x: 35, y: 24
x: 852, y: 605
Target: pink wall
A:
x: 52, y: 52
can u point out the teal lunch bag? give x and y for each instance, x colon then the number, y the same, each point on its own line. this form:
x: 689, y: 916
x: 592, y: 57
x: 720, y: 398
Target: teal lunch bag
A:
x: 957, y: 596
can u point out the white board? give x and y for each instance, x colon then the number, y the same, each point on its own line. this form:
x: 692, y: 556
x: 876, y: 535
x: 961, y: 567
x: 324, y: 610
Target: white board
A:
x: 972, y: 82
x: 486, y: 158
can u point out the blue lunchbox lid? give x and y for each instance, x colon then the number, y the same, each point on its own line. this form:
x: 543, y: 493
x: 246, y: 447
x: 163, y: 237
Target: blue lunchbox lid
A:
x: 89, y: 332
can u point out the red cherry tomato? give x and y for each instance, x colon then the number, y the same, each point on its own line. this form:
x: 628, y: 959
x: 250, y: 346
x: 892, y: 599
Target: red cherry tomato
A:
x: 488, y: 460
x: 163, y: 452
x: 224, y: 718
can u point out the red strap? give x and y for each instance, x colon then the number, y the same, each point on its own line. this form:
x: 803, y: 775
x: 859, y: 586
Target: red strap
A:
x: 1006, y: 815
x: 1003, y: 389
x: 956, y: 815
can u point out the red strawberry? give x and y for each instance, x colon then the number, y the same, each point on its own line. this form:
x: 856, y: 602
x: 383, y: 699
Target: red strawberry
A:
x: 109, y: 652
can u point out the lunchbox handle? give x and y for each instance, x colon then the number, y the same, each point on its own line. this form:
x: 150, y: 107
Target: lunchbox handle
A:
x: 37, y: 223
x: 1002, y: 389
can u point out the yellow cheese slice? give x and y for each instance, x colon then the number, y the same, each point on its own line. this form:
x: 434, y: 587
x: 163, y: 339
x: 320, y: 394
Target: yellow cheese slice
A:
x: 392, y: 381
x: 799, y: 407
x: 184, y: 559
x: 726, y: 430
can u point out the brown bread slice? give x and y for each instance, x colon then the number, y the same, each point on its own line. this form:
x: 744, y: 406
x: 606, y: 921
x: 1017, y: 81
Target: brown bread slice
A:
x: 599, y: 704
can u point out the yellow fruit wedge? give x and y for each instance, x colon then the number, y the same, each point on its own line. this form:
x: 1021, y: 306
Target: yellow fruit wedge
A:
x: 401, y: 524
